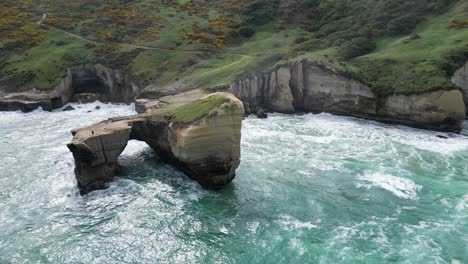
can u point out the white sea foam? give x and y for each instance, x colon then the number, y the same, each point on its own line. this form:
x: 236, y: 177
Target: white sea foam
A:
x: 401, y: 187
x: 290, y: 223
x: 253, y: 227
x: 463, y: 204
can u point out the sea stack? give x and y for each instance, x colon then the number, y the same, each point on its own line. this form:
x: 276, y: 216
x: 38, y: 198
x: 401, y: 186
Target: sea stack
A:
x: 201, y: 138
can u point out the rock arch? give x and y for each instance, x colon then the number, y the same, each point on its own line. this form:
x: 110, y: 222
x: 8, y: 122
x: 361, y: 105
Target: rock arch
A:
x: 201, y: 138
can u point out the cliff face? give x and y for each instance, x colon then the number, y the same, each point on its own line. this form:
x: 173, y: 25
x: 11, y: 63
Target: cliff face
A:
x: 107, y: 84
x: 460, y: 79
x: 311, y: 86
x: 80, y: 82
x: 206, y: 146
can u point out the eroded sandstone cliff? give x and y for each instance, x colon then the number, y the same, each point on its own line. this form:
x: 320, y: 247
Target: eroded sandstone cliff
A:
x: 80, y: 83
x: 314, y: 86
x: 460, y: 79
x: 201, y: 138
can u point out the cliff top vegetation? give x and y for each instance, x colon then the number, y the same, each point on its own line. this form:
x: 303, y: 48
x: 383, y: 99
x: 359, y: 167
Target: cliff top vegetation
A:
x: 394, y: 46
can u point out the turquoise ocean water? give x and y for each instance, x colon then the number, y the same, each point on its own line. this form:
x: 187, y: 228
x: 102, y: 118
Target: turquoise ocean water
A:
x: 310, y: 189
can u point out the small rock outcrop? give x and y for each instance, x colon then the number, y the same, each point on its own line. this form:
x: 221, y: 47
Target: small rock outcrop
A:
x: 314, y: 86
x: 261, y: 113
x: 201, y: 138
x: 25, y: 102
x: 68, y: 108
x: 146, y: 105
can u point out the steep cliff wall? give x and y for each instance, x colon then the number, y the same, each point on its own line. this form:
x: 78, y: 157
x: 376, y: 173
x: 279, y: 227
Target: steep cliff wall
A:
x: 104, y: 83
x: 313, y: 86
x: 110, y: 85
x: 460, y: 79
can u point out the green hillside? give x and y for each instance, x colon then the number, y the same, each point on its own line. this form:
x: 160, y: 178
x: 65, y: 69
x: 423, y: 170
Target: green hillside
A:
x: 394, y: 46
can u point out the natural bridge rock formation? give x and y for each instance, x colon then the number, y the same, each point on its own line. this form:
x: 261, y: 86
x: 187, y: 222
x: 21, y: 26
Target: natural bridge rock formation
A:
x: 201, y: 138
x: 313, y: 86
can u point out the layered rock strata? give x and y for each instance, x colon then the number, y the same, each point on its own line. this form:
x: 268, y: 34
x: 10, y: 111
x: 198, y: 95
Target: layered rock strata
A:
x: 460, y: 79
x: 82, y: 84
x: 313, y: 86
x: 201, y: 138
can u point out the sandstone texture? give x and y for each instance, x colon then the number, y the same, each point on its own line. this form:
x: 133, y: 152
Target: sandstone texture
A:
x: 25, y: 102
x: 201, y: 138
x: 85, y: 83
x: 314, y: 86
x: 460, y: 79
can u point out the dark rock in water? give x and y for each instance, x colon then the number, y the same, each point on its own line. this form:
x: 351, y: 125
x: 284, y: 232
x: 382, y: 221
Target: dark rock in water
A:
x: 261, y: 113
x: 97, y: 107
x: 204, y: 146
x: 25, y: 102
x: 84, y: 98
x: 442, y: 136
x: 68, y: 108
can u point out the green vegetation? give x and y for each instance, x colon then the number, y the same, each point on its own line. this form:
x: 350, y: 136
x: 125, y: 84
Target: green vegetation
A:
x: 394, y: 46
x: 47, y: 63
x: 192, y: 111
x: 425, y: 63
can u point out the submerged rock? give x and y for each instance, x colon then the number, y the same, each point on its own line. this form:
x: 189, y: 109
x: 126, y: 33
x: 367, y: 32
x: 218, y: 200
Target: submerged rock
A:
x: 85, y: 98
x: 68, y: 108
x: 261, y: 113
x: 201, y: 138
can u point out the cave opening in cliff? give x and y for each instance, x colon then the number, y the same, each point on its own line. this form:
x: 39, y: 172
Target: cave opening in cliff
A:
x: 90, y: 89
x: 88, y: 85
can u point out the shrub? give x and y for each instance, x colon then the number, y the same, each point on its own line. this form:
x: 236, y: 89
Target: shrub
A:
x: 411, y: 38
x: 356, y: 47
x: 402, y: 25
x: 300, y: 39
x: 261, y: 11
x: 60, y: 43
x: 453, y: 60
x: 246, y: 32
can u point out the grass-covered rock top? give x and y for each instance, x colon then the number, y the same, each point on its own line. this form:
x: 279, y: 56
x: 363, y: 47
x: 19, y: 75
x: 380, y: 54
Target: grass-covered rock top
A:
x: 187, y: 112
x: 195, y: 110
x: 394, y: 46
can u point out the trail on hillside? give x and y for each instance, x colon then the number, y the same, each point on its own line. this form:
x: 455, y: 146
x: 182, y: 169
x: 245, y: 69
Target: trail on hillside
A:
x: 42, y: 23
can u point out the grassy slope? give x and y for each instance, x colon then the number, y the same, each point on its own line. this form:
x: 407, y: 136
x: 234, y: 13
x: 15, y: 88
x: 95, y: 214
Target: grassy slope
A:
x: 399, y: 67
x: 394, y: 67
x: 49, y: 60
x: 214, y: 70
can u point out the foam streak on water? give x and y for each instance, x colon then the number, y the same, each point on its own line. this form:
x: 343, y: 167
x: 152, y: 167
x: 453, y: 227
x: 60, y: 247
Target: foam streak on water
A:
x: 310, y: 189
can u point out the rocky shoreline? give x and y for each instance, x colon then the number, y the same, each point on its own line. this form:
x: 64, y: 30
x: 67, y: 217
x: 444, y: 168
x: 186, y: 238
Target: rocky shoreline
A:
x: 304, y: 86
x: 314, y: 86
x: 82, y: 83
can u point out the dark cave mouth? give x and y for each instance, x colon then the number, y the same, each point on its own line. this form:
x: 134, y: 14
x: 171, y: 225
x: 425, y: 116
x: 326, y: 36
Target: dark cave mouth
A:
x: 87, y: 89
